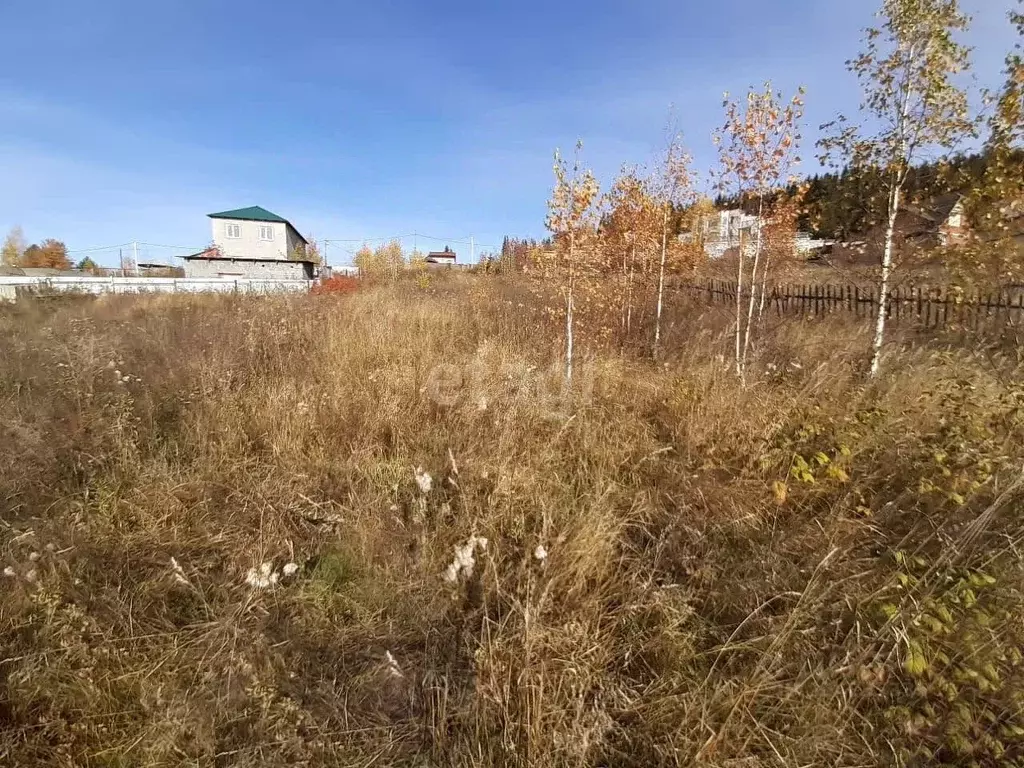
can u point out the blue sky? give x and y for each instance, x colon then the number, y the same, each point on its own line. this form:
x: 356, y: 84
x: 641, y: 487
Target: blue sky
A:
x: 124, y: 121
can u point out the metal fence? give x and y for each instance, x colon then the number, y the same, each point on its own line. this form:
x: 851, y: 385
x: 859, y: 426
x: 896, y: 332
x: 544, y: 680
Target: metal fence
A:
x: 922, y: 306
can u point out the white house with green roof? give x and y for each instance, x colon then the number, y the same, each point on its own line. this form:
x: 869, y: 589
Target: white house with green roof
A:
x: 252, y: 242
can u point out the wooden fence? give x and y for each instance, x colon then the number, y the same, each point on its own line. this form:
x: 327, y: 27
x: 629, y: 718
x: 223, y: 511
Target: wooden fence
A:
x: 923, y: 306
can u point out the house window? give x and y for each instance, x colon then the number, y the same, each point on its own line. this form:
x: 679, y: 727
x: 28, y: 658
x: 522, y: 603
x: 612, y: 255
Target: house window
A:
x: 266, y: 233
x: 233, y: 230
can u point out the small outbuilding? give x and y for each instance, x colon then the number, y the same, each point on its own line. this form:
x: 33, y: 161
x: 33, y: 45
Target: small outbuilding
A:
x: 445, y: 258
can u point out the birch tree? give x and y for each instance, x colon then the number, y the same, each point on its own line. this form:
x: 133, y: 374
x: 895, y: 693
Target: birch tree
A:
x: 697, y: 220
x: 364, y: 261
x: 13, y: 247
x: 385, y: 261
x: 572, y: 219
x: 757, y: 149
x: 673, y: 189
x: 996, y: 203
x: 912, y: 105
x: 628, y: 228
x: 391, y: 259
x: 779, y: 239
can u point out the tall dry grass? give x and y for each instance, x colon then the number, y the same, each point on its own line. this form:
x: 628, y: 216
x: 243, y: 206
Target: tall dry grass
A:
x: 811, y: 570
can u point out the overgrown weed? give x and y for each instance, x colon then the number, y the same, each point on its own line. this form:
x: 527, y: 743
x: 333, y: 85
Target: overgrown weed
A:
x: 810, y: 570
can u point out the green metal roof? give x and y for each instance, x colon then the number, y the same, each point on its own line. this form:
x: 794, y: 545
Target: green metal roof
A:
x: 255, y: 213
x: 252, y: 213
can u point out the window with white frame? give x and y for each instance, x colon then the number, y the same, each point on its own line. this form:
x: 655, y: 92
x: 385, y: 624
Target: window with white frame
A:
x: 266, y: 232
x: 233, y: 230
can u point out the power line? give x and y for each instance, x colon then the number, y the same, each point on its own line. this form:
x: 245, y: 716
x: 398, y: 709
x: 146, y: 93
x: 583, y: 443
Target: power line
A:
x: 100, y: 248
x: 368, y: 239
x: 455, y: 240
x: 178, y: 247
x: 348, y: 251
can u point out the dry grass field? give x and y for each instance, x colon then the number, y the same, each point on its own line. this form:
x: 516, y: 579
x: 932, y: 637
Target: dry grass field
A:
x: 376, y: 530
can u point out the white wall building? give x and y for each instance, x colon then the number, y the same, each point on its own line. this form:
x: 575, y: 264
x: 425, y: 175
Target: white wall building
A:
x: 727, y: 229
x: 252, y: 242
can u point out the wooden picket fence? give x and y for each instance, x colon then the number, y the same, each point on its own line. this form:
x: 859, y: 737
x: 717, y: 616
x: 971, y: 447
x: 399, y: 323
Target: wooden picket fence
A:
x: 923, y: 306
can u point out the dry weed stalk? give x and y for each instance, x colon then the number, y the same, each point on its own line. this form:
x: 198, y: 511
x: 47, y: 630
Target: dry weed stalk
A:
x: 684, y: 568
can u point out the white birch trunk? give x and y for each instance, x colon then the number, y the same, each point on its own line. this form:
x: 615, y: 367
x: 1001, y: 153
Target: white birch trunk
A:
x: 629, y: 291
x: 568, y: 336
x: 753, y: 285
x: 899, y: 178
x: 883, y: 289
x: 764, y: 283
x: 569, y: 309
x: 625, y: 293
x: 739, y: 309
x: 661, y: 283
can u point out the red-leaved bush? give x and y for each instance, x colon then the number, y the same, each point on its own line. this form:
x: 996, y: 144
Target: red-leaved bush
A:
x: 336, y: 284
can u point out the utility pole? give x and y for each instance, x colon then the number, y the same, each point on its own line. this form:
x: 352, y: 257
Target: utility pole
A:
x: 135, y: 258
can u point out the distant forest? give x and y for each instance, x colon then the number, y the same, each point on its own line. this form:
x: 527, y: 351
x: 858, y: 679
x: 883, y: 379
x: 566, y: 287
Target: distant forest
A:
x: 843, y: 205
x: 838, y: 206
